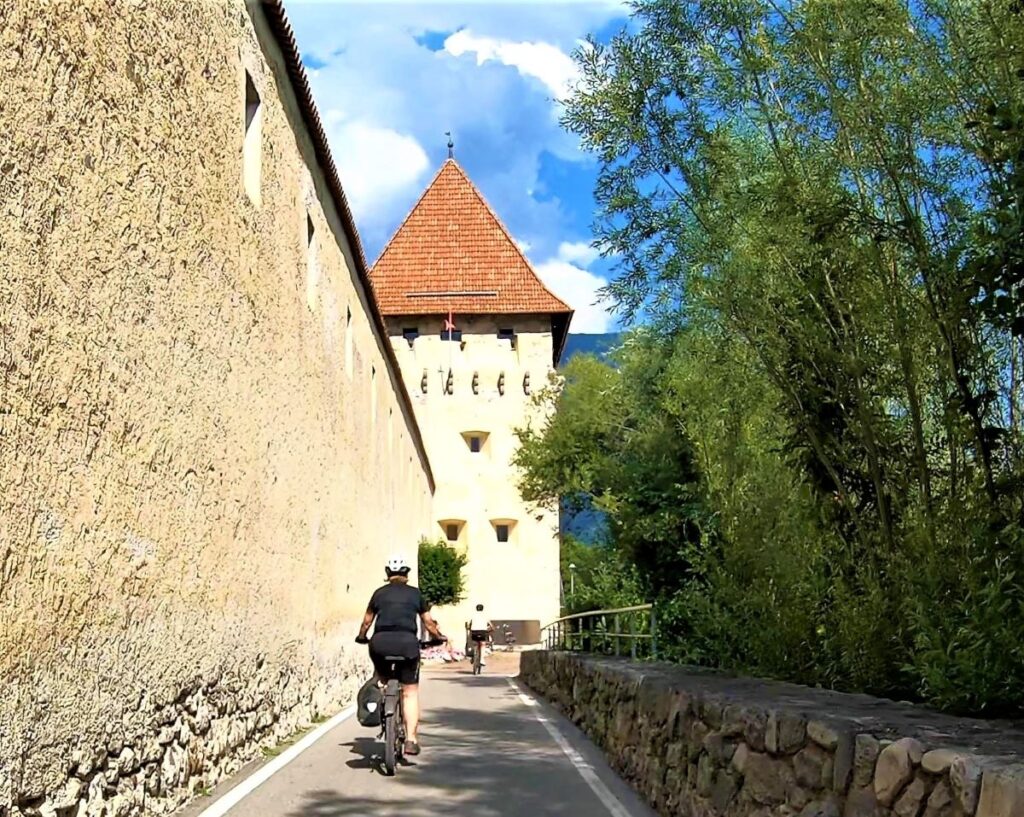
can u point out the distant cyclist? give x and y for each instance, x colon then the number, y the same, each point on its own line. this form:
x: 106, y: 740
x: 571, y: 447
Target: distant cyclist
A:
x: 398, y: 607
x: 480, y: 629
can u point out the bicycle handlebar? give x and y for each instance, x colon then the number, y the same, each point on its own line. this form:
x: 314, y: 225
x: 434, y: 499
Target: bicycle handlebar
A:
x: 433, y: 642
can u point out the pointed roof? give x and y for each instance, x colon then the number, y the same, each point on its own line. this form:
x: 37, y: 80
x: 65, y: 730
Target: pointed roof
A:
x: 453, y: 253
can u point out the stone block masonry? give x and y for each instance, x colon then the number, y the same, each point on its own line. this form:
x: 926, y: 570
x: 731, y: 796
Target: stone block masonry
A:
x: 179, y: 748
x: 702, y: 744
x: 205, y: 451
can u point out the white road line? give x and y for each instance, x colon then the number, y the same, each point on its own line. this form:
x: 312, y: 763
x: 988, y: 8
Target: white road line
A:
x: 260, y: 776
x: 611, y: 802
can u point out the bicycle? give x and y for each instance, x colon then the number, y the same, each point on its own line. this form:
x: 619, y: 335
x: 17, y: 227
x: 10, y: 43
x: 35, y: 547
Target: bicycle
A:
x: 392, y: 725
x: 478, y: 656
x: 392, y: 728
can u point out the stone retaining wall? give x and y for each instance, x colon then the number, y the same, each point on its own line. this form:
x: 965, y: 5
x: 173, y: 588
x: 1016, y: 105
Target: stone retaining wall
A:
x: 703, y: 744
x: 214, y: 726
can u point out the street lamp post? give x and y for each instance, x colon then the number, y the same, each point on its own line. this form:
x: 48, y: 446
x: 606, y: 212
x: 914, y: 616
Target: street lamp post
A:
x: 572, y: 579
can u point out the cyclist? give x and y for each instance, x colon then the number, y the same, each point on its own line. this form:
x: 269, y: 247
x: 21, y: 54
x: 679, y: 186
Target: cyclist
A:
x: 480, y: 629
x: 398, y: 608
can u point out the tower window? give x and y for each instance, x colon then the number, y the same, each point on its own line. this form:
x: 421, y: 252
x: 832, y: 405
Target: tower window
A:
x: 503, y: 529
x: 410, y: 334
x: 373, y: 395
x: 348, y: 341
x: 509, y: 335
x: 252, y: 102
x: 452, y: 528
x: 252, y: 144
x: 475, y: 440
x: 312, y: 271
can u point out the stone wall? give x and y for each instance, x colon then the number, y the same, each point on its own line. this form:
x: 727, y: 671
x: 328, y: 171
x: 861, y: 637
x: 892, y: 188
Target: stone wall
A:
x: 702, y: 744
x: 204, y: 451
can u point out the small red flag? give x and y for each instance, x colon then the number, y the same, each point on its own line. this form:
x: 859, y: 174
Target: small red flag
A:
x: 449, y: 324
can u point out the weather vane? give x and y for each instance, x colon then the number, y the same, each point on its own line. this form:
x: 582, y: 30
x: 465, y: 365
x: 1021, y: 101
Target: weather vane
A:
x: 451, y: 144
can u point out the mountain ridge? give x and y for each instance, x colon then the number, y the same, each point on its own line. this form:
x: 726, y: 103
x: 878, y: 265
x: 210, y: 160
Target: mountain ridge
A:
x: 590, y: 343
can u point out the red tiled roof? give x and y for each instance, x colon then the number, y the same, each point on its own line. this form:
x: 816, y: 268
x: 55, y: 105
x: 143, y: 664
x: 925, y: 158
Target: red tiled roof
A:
x: 452, y: 253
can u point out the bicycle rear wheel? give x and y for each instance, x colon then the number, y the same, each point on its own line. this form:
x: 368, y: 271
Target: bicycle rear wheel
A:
x: 400, y: 731
x: 392, y: 727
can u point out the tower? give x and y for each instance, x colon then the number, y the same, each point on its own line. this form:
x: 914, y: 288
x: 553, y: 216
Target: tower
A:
x: 476, y: 333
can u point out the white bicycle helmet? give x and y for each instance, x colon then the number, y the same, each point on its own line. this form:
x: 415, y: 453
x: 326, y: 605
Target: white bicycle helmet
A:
x: 396, y: 566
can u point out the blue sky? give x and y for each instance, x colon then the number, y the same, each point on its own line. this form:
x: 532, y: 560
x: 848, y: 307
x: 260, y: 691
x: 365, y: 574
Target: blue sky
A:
x: 391, y: 77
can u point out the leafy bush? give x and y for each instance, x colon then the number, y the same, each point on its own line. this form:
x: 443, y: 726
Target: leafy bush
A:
x: 440, y: 573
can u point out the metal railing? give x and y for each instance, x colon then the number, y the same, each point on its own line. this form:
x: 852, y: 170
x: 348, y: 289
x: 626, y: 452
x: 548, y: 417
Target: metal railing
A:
x: 604, y: 631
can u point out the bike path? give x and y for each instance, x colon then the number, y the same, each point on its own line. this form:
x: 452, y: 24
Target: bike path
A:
x: 489, y: 750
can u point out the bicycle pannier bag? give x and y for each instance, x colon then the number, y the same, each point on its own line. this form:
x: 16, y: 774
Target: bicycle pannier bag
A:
x: 369, y: 704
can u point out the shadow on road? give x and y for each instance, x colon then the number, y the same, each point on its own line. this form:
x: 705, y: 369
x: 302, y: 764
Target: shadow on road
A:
x: 496, y: 762
x: 369, y: 754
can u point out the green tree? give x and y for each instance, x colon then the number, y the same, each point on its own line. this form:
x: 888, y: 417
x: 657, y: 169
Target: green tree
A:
x: 603, y: 578
x: 812, y: 453
x: 613, y: 443
x: 440, y: 573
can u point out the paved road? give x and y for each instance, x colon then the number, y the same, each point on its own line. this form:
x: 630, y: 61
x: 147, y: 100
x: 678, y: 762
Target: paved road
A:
x: 486, y: 753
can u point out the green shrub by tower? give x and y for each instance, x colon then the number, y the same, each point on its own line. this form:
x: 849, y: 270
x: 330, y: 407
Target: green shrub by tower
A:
x: 440, y: 573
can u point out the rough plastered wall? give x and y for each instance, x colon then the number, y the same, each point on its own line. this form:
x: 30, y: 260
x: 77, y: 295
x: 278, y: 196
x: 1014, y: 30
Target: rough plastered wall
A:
x: 203, y: 455
x: 515, y: 580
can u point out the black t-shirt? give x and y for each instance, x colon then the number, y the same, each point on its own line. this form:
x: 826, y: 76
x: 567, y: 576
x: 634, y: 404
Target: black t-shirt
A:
x: 397, y: 607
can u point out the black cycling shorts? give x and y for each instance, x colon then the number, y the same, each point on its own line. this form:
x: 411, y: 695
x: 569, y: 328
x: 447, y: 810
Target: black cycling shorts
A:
x: 406, y: 645
x: 479, y: 635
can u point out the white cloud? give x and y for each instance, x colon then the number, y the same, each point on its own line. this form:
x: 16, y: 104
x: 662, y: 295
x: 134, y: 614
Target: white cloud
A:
x: 578, y: 288
x: 376, y: 164
x: 539, y: 60
x: 577, y: 252
x: 389, y: 90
